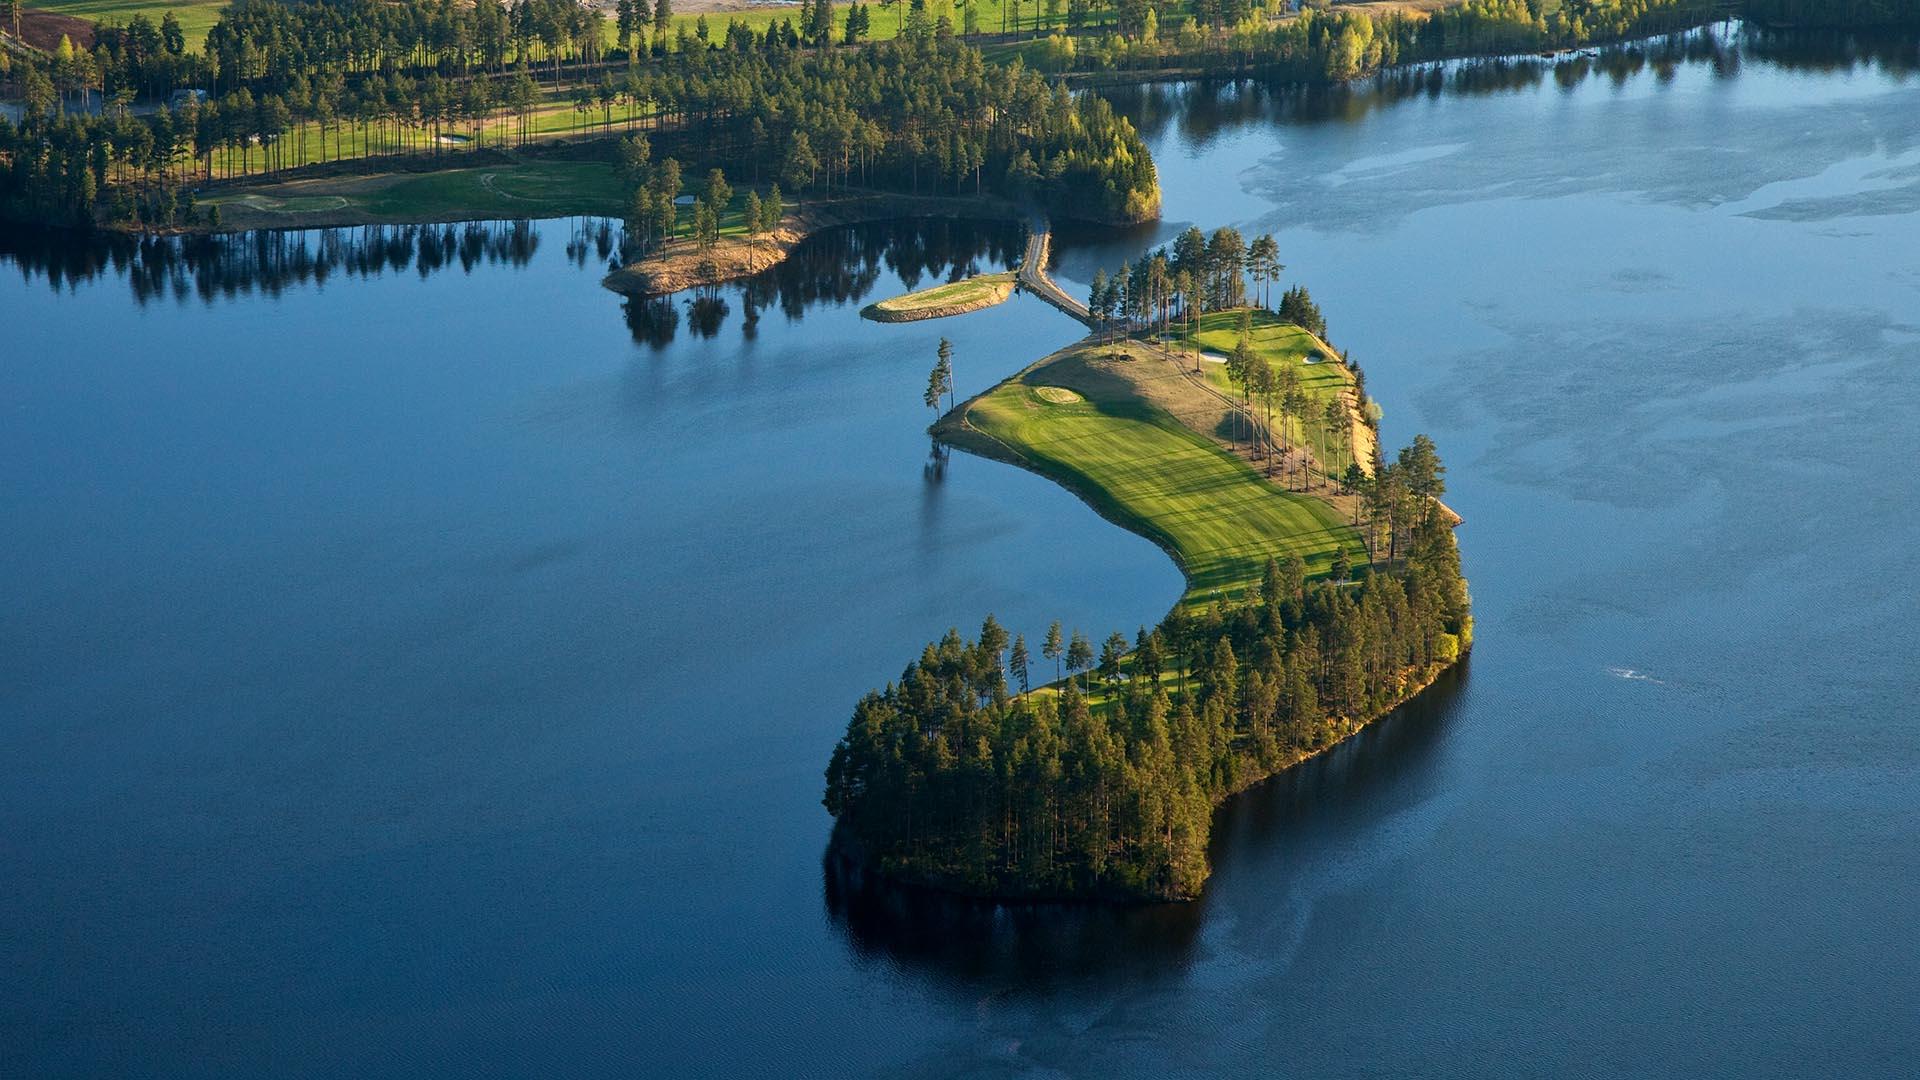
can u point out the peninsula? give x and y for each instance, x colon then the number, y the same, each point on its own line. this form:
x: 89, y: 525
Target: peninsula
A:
x: 1323, y: 590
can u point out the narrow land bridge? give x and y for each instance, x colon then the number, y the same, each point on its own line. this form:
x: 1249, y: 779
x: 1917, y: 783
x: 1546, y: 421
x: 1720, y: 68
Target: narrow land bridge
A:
x: 1033, y: 273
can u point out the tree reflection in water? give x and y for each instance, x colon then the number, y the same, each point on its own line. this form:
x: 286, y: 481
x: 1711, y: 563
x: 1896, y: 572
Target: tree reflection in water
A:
x: 1199, y: 111
x: 268, y: 262
x: 838, y: 267
x: 1316, y: 805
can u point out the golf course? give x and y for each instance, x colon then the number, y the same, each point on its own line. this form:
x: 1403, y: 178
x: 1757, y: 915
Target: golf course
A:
x: 1323, y: 378
x: 1130, y: 432
x: 1097, y: 779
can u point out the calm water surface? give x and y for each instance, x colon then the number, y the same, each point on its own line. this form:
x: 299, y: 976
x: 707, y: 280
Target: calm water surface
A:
x: 428, y: 671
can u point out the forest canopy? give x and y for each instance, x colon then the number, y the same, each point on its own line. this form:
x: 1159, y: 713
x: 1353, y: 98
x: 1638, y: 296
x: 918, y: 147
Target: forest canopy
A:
x: 920, y: 115
x: 964, y: 776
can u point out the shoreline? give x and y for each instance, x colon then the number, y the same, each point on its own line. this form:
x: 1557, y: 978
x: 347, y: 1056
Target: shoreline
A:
x: 841, y: 847
x: 955, y: 428
x: 679, y: 265
x: 745, y: 254
x: 987, y: 290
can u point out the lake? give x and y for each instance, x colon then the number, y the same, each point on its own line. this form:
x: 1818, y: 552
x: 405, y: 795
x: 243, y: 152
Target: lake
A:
x: 419, y: 661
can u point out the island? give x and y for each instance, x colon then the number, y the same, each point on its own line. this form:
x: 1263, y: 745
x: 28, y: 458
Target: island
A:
x: 944, y: 301
x: 1323, y: 590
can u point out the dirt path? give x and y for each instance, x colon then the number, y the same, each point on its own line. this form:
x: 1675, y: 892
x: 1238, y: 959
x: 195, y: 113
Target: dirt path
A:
x: 1033, y: 273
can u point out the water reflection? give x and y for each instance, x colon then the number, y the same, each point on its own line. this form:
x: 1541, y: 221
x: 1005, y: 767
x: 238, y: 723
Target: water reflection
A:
x: 1198, y: 112
x: 838, y: 267
x: 1037, y: 947
x: 1028, y: 946
x: 266, y: 261
x: 1370, y: 775
x: 935, y: 470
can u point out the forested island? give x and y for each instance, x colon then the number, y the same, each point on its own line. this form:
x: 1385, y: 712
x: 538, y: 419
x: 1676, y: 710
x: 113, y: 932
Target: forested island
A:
x: 1324, y: 588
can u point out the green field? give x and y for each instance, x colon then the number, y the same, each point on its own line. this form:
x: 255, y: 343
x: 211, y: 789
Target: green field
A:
x: 1142, y: 467
x: 536, y: 189
x: 532, y: 189
x: 196, y: 16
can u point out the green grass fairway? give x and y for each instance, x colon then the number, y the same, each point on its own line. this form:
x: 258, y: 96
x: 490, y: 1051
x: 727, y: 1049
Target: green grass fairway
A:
x: 1139, y: 465
x: 530, y: 190
x: 983, y: 290
x: 196, y: 16
x: 535, y: 189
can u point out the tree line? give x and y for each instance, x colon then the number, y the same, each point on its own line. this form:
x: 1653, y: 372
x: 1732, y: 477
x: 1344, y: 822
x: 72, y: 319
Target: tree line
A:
x: 920, y: 116
x: 1201, y: 273
x: 907, y: 115
x: 962, y: 774
x: 1331, y: 44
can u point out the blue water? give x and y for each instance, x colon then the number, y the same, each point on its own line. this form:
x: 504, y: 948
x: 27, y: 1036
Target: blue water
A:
x: 416, y: 674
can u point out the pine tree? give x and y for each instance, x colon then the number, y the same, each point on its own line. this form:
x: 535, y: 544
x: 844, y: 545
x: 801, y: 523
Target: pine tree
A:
x: 1111, y: 653
x: 946, y: 368
x: 1079, y: 654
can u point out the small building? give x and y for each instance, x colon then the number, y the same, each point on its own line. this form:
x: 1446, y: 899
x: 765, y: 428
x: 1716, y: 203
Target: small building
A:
x: 180, y: 99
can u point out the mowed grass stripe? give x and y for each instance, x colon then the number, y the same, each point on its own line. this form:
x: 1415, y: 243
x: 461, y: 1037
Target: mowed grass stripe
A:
x: 1141, y: 467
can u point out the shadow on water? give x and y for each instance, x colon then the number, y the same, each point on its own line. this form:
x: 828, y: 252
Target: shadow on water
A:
x: 1365, y: 777
x: 1038, y: 947
x: 1032, y: 946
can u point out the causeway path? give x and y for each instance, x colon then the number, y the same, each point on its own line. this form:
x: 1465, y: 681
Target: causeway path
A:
x: 1033, y: 273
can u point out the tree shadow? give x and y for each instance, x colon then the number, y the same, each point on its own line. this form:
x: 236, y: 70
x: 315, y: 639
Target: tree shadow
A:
x: 1039, y: 947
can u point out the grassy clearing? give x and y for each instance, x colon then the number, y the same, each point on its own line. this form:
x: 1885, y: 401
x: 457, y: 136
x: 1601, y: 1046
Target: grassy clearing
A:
x: 955, y: 298
x: 532, y: 189
x: 1323, y: 378
x: 995, y: 16
x: 1114, y: 441
x: 535, y: 189
x: 307, y: 143
x: 196, y: 16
